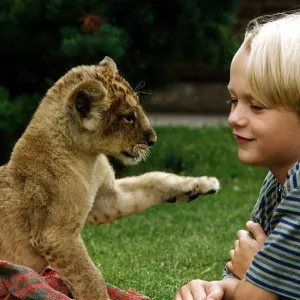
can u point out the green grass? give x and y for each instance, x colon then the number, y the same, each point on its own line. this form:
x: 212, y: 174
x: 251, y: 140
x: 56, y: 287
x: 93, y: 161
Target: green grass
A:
x: 157, y: 251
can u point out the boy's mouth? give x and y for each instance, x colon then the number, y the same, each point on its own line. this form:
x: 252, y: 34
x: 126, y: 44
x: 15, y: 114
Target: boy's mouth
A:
x: 242, y: 140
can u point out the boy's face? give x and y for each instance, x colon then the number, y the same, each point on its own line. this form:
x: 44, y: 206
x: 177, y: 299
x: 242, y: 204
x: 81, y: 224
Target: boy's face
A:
x: 265, y: 137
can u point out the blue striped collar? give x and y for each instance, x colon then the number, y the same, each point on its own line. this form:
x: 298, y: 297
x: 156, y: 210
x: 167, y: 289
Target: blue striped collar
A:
x: 292, y: 178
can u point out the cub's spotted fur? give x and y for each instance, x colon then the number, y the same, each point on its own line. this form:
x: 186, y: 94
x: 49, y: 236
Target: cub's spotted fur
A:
x: 58, y: 177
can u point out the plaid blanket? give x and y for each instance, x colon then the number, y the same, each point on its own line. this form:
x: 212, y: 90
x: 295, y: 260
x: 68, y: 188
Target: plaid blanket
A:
x: 19, y: 282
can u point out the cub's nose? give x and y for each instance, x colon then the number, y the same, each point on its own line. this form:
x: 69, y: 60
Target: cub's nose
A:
x: 150, y: 137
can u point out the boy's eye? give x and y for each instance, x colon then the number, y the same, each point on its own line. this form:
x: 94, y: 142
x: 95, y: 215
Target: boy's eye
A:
x: 232, y: 101
x: 256, y: 107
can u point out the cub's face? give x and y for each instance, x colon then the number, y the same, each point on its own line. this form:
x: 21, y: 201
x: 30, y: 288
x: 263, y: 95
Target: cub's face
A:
x: 106, y: 115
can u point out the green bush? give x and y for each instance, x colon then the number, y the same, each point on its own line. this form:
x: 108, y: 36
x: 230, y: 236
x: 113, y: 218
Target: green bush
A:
x: 14, y: 116
x: 41, y: 40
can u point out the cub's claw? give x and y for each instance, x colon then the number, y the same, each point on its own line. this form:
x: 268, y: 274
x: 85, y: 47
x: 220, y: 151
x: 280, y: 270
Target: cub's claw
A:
x: 211, y: 192
x: 172, y: 200
x: 193, y: 197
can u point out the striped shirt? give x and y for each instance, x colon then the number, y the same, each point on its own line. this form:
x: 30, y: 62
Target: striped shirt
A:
x: 276, y: 266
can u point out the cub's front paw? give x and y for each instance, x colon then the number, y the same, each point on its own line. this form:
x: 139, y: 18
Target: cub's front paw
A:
x: 194, y: 187
x: 202, y: 186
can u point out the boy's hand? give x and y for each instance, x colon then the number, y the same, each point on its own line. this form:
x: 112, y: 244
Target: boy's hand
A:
x: 245, y: 248
x: 200, y: 290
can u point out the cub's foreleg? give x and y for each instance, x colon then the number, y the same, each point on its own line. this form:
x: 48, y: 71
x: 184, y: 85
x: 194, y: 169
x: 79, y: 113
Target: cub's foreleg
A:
x: 67, y: 254
x: 133, y: 194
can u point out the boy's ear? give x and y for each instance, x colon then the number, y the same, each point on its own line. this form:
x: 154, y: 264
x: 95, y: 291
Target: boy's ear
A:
x: 109, y: 63
x: 87, y: 102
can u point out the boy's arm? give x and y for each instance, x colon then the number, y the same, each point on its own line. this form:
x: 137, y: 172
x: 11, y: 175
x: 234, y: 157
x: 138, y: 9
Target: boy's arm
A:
x: 247, y: 290
x: 235, y: 289
x: 228, y: 285
x: 225, y: 289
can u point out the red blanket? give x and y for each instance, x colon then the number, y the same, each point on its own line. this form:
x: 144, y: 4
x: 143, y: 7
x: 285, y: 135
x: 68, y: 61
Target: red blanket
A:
x: 19, y: 282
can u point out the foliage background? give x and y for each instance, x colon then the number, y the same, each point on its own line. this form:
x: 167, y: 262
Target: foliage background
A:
x: 41, y: 40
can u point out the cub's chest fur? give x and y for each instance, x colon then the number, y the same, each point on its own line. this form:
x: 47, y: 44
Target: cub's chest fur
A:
x: 87, y: 177
x: 94, y: 178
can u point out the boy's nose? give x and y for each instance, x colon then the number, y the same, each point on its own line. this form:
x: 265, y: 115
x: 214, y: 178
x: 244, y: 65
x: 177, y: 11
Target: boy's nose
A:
x: 237, y: 118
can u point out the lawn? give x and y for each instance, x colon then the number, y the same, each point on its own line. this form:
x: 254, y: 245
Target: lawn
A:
x: 157, y: 251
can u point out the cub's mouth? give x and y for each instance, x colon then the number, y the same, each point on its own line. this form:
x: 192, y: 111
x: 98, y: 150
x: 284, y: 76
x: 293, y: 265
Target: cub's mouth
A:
x: 127, y: 154
x: 134, y: 155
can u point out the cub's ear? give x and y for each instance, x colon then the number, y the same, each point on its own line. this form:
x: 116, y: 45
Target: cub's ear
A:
x: 108, y: 63
x: 87, y: 101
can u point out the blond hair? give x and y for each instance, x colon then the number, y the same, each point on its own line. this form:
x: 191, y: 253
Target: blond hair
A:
x: 273, y: 71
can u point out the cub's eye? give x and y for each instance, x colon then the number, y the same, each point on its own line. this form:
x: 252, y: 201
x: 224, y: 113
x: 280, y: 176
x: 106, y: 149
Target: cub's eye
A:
x: 130, y: 117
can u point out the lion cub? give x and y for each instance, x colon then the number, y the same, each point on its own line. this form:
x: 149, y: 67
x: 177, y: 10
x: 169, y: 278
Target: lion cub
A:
x: 58, y: 177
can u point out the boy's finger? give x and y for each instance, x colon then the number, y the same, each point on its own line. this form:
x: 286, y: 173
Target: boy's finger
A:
x: 236, y: 244
x: 216, y: 293
x: 243, y: 234
x: 184, y: 293
x: 197, y: 289
x: 231, y: 254
x: 177, y: 297
x: 257, y: 231
x: 229, y: 266
x: 245, y: 237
